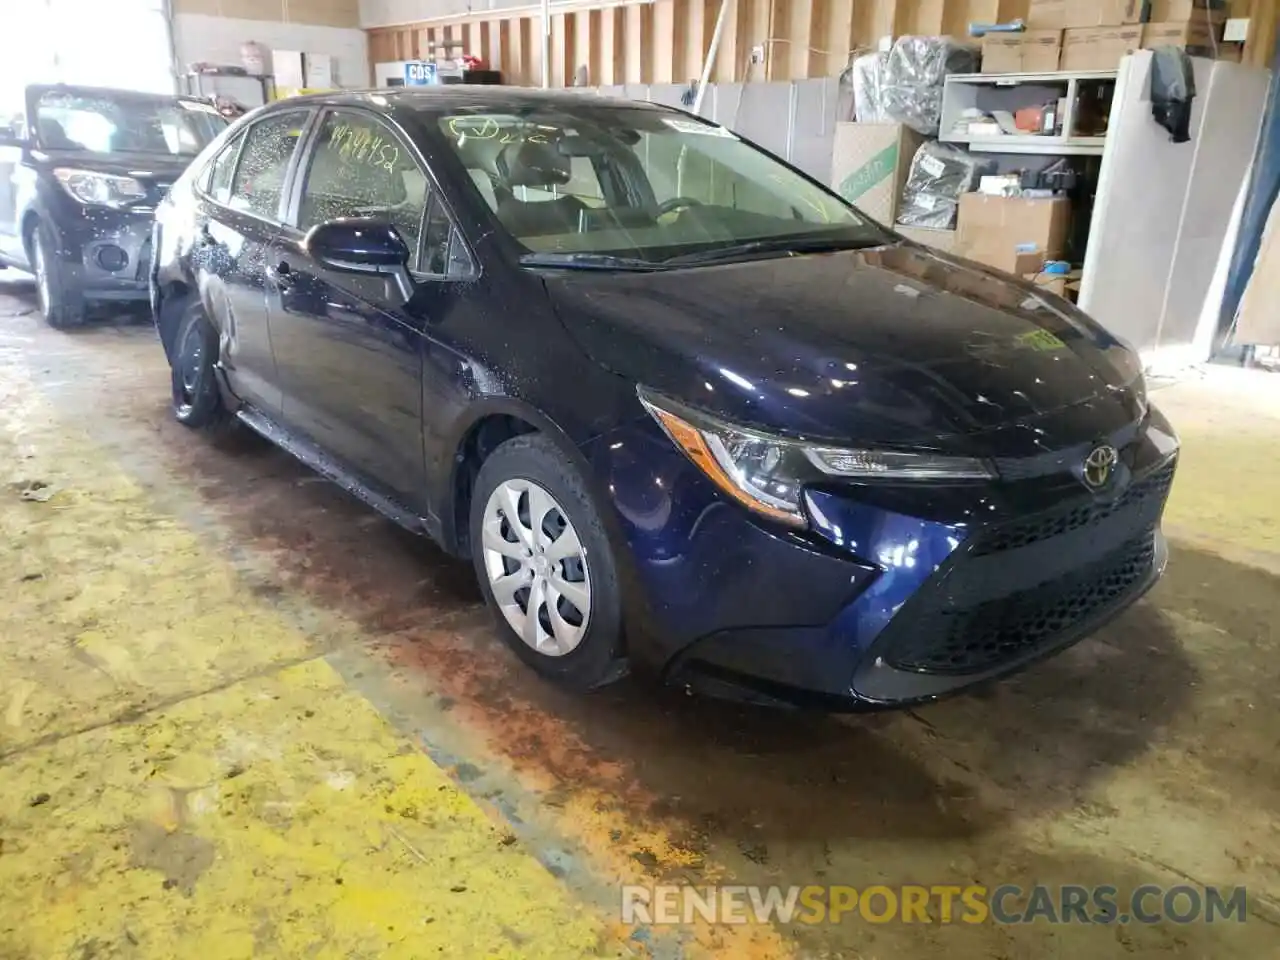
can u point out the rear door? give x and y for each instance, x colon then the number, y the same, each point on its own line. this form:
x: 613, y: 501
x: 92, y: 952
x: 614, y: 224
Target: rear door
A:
x: 349, y: 350
x: 239, y: 218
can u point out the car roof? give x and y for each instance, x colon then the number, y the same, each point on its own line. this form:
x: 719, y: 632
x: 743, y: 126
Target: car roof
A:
x: 447, y: 97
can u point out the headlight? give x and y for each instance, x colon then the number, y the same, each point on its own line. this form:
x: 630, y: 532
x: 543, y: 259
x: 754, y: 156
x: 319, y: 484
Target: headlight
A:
x: 100, y: 188
x: 766, y: 473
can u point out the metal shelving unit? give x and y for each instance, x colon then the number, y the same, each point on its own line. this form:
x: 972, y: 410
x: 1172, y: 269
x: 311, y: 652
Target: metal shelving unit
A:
x: 1009, y: 91
x: 204, y: 84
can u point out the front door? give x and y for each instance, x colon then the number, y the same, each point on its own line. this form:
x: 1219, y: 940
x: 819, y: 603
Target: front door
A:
x: 348, y: 349
x: 239, y: 220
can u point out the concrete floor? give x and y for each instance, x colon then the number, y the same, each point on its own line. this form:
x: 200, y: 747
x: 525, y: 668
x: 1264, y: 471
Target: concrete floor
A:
x: 240, y: 715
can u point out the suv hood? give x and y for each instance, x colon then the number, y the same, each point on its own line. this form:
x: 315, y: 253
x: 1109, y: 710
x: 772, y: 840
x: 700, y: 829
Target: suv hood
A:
x: 893, y: 345
x: 143, y: 166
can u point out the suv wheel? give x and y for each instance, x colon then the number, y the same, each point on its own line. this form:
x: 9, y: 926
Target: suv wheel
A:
x: 61, y: 307
x: 545, y: 565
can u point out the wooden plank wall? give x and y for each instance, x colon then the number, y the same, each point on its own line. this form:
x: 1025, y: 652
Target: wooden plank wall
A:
x: 665, y: 41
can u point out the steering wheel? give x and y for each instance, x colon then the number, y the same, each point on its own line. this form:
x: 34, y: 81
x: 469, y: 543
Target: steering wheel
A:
x: 677, y: 203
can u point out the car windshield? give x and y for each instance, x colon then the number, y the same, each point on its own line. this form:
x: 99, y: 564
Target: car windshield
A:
x: 612, y: 185
x: 101, y: 123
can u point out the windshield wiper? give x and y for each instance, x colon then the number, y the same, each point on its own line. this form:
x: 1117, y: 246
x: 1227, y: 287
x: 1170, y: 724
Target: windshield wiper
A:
x: 587, y: 261
x: 773, y: 245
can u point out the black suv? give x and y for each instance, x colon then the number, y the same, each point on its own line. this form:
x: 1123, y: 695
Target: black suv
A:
x: 81, y: 172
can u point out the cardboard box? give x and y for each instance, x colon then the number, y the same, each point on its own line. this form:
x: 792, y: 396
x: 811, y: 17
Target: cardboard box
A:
x: 1067, y: 14
x: 1196, y: 36
x: 869, y: 165
x: 944, y: 241
x: 1163, y: 11
x: 1033, y: 51
x: 1032, y: 263
x: 1098, y: 48
x: 1001, y: 231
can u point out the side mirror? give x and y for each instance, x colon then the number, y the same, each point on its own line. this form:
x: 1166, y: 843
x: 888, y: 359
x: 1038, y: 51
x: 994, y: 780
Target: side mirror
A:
x: 362, y: 245
x: 10, y: 139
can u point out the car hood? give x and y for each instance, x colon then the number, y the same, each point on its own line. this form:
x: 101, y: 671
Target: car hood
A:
x: 894, y: 344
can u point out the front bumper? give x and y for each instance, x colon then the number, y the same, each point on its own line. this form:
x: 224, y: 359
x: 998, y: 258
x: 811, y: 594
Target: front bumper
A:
x: 105, y: 253
x: 895, y: 595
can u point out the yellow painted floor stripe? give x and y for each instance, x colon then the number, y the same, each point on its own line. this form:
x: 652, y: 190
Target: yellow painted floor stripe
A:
x: 182, y: 775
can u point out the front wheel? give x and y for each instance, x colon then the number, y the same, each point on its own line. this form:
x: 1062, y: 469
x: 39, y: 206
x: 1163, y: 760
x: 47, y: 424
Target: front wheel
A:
x: 61, y: 306
x: 545, y: 564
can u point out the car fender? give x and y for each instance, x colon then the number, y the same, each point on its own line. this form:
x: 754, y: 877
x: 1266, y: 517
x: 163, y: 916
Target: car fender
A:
x: 444, y: 483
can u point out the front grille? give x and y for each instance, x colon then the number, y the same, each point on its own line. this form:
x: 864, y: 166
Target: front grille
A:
x: 1034, y: 529
x: 976, y: 639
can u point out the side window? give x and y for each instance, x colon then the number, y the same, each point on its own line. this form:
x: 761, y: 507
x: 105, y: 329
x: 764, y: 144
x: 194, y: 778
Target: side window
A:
x: 444, y: 253
x: 264, y: 161
x: 217, y: 180
x: 435, y: 247
x: 359, y: 168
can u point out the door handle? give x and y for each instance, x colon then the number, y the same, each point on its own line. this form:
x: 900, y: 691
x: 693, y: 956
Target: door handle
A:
x: 281, y: 274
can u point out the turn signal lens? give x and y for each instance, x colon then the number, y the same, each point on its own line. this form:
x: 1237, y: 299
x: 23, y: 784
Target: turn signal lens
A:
x: 711, y: 454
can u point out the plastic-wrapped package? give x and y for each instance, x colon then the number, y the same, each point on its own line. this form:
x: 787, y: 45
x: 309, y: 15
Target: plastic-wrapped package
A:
x: 868, y: 83
x: 914, y: 76
x: 939, y: 174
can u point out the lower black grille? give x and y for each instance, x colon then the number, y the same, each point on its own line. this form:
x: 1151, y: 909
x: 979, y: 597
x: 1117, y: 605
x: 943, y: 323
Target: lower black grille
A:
x: 979, y: 638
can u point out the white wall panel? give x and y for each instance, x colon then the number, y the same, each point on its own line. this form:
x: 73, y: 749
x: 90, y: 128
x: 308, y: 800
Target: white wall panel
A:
x: 218, y: 40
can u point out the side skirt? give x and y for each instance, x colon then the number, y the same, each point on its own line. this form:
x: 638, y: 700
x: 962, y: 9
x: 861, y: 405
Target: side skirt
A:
x: 325, y: 465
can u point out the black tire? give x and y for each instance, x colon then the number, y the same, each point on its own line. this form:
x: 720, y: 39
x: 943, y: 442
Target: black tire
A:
x: 600, y: 657
x: 61, y: 306
x: 197, y: 400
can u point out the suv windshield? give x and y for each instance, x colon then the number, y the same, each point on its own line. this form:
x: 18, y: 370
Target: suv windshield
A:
x: 610, y: 185
x: 99, y: 122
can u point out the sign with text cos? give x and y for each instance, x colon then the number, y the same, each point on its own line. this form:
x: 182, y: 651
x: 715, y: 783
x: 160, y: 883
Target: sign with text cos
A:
x: 419, y: 73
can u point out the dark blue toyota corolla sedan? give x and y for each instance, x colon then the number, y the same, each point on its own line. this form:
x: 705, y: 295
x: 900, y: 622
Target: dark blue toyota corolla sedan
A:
x: 680, y: 405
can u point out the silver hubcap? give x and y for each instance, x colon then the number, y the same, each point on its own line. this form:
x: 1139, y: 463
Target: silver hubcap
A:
x: 42, y: 278
x: 537, y: 567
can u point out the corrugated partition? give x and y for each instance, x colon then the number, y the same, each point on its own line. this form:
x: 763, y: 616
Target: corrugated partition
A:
x: 1141, y: 192
x: 1225, y: 149
x: 1163, y: 209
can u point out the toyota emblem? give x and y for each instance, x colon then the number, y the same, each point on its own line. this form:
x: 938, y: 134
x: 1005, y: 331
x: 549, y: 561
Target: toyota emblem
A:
x: 1098, y: 466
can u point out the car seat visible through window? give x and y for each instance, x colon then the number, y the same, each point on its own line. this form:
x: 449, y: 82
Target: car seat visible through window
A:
x: 539, y: 166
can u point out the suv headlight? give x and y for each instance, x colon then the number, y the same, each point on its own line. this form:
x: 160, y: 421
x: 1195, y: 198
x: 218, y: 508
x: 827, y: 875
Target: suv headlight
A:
x: 766, y: 473
x: 105, y: 189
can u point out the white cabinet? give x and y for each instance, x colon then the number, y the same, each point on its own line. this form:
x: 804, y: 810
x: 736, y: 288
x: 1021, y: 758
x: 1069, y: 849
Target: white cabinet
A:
x: 1007, y: 92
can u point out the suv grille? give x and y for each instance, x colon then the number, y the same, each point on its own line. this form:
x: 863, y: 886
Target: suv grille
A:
x: 978, y: 638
